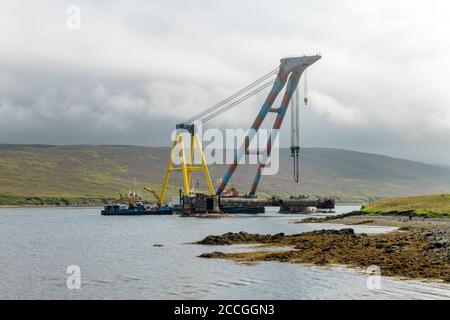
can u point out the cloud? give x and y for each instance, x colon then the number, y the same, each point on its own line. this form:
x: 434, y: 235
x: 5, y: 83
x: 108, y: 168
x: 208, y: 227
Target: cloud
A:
x: 336, y: 112
x: 143, y: 66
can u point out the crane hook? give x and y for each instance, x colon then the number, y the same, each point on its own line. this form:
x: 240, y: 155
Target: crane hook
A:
x: 305, y: 88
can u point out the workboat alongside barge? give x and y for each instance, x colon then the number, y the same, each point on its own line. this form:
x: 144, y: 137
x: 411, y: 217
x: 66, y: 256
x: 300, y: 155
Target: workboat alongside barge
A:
x: 139, y: 210
x: 131, y: 205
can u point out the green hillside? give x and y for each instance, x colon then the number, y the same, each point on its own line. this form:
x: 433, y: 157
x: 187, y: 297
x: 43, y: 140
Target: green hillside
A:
x: 431, y: 205
x: 97, y: 172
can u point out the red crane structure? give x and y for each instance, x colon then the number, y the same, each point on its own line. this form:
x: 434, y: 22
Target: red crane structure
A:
x: 287, y: 75
x: 290, y: 71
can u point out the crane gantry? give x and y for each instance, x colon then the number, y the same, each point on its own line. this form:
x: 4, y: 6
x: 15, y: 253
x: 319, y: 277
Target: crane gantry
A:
x: 287, y: 75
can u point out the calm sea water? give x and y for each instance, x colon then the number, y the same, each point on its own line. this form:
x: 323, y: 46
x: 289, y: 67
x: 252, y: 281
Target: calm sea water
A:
x: 118, y: 260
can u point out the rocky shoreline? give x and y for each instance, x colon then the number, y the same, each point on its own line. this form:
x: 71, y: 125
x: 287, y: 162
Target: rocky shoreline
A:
x: 417, y: 250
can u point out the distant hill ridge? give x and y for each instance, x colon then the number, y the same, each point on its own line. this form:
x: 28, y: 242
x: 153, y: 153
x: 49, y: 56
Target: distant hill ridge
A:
x: 105, y: 170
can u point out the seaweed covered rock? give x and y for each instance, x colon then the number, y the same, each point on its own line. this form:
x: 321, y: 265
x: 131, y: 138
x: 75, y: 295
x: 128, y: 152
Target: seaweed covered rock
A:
x: 342, y: 232
x: 213, y: 255
x: 415, y: 253
x: 230, y: 238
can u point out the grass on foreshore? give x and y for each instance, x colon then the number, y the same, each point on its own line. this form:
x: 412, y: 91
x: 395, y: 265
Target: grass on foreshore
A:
x: 426, y: 205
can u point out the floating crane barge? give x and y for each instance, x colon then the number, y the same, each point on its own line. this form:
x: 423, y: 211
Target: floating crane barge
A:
x: 293, y: 204
x: 287, y: 75
x: 270, y: 117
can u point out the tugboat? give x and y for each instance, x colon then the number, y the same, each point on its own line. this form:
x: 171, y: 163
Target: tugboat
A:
x: 132, y: 205
x: 123, y: 210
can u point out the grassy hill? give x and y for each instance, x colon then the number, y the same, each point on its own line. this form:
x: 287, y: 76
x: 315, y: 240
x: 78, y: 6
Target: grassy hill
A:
x: 433, y: 205
x: 96, y: 172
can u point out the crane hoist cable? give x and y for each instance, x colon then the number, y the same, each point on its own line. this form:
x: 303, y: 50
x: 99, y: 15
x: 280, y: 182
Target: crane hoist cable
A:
x: 234, y: 96
x: 295, y: 133
x: 235, y: 103
x: 305, y: 88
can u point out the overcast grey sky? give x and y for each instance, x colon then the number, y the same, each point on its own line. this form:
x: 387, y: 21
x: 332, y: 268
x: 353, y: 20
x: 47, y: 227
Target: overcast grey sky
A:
x: 136, y: 68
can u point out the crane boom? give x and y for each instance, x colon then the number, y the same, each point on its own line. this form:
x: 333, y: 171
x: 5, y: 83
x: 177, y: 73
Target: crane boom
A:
x: 289, y: 72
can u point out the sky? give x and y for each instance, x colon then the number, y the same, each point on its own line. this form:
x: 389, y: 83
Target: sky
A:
x: 125, y: 72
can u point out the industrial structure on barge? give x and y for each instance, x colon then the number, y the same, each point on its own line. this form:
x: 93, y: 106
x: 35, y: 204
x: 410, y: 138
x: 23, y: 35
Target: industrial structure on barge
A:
x: 288, y: 76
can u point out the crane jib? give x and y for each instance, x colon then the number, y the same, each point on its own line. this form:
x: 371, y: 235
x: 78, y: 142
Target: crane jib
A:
x: 290, y: 71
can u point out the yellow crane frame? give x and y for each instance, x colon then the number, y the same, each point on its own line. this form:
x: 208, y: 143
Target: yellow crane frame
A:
x: 154, y: 194
x: 187, y: 168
